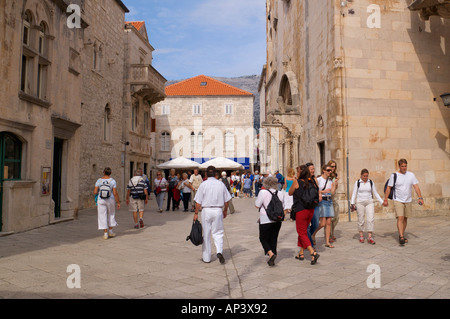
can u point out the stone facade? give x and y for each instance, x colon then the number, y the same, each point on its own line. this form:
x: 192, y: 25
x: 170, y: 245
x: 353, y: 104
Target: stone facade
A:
x: 40, y: 115
x: 215, y: 132
x: 358, y: 82
x: 66, y: 92
x: 144, y: 87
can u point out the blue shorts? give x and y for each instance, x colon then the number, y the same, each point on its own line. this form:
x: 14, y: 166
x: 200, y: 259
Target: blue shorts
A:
x: 326, y: 208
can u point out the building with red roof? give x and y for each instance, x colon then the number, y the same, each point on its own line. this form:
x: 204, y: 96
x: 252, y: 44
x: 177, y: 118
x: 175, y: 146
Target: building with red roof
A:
x: 203, y: 118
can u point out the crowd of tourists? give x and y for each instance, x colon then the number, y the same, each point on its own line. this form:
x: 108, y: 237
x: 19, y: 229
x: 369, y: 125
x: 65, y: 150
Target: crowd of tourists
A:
x: 302, y: 196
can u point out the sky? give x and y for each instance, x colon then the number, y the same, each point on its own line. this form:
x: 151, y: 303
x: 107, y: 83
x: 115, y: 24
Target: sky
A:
x: 221, y: 38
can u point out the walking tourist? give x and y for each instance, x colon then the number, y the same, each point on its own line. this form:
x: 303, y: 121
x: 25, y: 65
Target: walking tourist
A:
x: 334, y: 220
x: 288, y: 199
x: 306, y: 197
x: 248, y: 184
x: 403, y: 182
x: 106, y: 188
x: 327, y: 188
x: 137, y: 198
x: 268, y: 229
x: 363, y: 192
x: 315, y: 220
x: 226, y: 181
x: 187, y: 188
x: 213, y: 197
x: 173, y: 183
x: 160, y: 189
x: 257, y: 183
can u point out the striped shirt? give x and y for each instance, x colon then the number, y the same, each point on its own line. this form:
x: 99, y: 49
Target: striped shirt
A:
x: 137, y: 185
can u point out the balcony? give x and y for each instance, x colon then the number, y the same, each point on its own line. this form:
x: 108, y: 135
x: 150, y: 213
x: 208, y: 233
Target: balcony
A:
x: 145, y: 81
x: 428, y: 8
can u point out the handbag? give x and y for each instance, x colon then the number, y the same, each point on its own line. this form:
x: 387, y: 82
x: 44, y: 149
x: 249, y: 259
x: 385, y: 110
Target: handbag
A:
x: 196, y: 235
x: 158, y: 189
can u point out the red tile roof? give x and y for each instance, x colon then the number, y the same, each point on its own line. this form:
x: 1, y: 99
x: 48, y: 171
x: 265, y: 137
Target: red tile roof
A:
x: 137, y: 24
x: 203, y: 85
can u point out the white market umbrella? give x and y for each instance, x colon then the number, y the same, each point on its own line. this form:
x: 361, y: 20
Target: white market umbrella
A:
x: 179, y: 163
x: 222, y: 163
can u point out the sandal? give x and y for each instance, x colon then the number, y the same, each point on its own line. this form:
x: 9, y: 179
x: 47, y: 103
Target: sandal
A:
x: 401, y: 240
x: 314, y: 258
x: 329, y: 246
x: 361, y: 239
x: 370, y: 241
x: 300, y: 257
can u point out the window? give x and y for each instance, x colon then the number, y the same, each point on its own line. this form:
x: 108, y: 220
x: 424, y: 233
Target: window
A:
x: 165, y: 142
x: 228, y: 109
x: 193, y: 149
x: 24, y: 82
x: 97, y: 57
x: 146, y: 122
x: 134, y: 116
x: 41, y: 46
x: 25, y: 85
x: 165, y: 109
x: 229, y: 143
x: 196, y: 109
x: 285, y: 91
x: 41, y: 80
x: 35, y: 63
x: 200, y: 145
x: 26, y: 28
x: 203, y: 83
x: 107, y: 124
x: 10, y: 157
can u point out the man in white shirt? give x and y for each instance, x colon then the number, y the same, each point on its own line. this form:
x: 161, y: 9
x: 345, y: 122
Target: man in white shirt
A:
x: 402, y: 196
x: 213, y: 197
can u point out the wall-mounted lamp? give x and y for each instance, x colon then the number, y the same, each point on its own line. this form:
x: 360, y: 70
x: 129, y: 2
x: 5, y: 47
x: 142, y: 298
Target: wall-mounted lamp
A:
x: 446, y: 99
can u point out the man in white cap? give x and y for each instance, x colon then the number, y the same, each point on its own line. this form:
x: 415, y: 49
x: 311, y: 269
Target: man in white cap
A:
x: 213, y: 197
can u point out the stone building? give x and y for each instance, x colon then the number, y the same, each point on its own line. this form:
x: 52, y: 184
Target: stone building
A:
x: 144, y: 87
x: 359, y: 82
x: 203, y: 118
x: 70, y: 76
x: 40, y: 114
x: 102, y: 105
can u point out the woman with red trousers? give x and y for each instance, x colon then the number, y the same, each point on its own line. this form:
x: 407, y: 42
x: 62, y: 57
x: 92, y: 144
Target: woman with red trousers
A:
x: 304, y: 212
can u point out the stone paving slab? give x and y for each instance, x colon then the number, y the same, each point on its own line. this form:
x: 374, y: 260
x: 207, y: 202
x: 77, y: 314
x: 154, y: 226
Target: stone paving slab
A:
x: 158, y: 263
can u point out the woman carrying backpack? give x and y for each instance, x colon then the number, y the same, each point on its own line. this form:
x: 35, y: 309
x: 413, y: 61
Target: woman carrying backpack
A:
x: 363, y: 192
x: 268, y: 229
x: 306, y: 197
x: 106, y: 189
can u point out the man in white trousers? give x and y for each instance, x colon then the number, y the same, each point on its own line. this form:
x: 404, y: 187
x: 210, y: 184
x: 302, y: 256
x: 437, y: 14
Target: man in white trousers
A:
x: 213, y: 197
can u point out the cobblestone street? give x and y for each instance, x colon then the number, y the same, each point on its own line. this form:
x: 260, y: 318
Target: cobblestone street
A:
x: 158, y: 262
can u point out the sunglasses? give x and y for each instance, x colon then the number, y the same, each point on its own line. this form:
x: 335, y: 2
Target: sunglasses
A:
x: 309, y: 164
x: 329, y: 170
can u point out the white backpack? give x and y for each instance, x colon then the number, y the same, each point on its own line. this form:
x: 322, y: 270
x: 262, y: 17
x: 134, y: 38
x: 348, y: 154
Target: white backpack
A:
x: 104, y: 190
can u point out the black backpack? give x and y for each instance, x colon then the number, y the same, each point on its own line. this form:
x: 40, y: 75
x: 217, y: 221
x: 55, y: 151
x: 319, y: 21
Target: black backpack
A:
x: 275, y: 210
x: 196, y: 235
x: 391, y: 194
x: 310, y: 197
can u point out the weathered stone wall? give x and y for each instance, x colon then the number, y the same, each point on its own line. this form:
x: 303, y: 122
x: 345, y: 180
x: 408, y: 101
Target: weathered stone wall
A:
x: 102, y: 85
x: 368, y: 76
x: 31, y: 118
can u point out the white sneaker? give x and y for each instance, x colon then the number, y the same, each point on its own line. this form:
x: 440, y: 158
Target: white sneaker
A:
x: 105, y: 235
x: 111, y: 234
